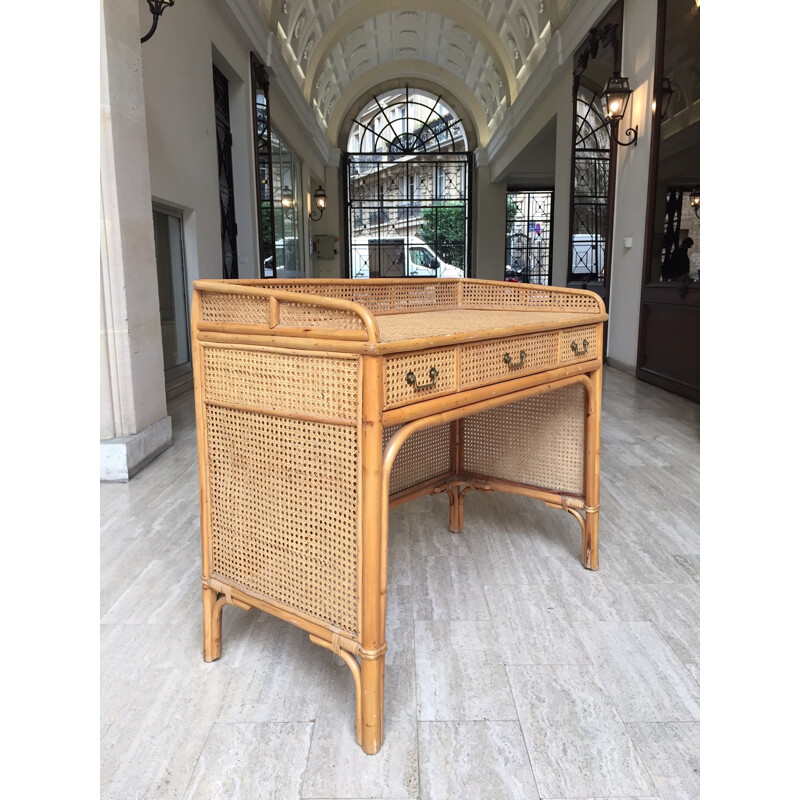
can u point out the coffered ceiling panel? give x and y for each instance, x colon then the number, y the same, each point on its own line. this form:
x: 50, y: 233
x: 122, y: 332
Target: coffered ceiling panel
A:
x: 489, y: 46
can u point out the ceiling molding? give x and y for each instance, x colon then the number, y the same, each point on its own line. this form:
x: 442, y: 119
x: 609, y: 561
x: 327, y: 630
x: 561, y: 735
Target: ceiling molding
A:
x: 454, y: 10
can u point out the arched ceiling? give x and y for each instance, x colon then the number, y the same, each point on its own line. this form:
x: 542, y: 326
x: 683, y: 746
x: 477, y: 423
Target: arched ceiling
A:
x: 485, y: 48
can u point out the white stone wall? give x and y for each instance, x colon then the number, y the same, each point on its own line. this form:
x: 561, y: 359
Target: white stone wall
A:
x: 158, y: 144
x: 132, y: 397
x: 630, y: 203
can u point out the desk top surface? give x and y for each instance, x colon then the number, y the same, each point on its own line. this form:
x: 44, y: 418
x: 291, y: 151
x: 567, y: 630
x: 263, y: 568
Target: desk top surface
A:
x: 383, y: 315
x: 473, y: 323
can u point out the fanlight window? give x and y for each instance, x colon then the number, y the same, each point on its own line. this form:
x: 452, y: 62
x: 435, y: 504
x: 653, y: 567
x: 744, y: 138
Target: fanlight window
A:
x: 402, y: 122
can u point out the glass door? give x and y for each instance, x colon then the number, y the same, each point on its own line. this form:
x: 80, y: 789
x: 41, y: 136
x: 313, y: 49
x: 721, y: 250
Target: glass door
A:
x: 171, y: 269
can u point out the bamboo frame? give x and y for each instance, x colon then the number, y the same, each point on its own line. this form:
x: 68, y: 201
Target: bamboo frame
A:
x: 247, y: 324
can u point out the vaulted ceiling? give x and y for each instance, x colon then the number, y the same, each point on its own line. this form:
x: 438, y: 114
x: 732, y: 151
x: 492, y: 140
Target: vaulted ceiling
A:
x: 480, y: 53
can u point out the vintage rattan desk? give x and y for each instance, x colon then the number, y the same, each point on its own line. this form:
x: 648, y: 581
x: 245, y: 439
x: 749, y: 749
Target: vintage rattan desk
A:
x: 321, y: 404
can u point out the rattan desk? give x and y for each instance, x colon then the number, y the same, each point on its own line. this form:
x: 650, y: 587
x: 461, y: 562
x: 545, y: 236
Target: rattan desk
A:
x: 322, y: 404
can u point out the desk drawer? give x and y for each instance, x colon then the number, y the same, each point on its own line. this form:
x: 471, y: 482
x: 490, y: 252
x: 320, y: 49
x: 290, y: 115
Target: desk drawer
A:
x: 418, y: 376
x: 578, y: 344
x: 499, y: 359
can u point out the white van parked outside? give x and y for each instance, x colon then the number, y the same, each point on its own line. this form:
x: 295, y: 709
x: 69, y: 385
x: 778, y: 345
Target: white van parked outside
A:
x: 398, y: 258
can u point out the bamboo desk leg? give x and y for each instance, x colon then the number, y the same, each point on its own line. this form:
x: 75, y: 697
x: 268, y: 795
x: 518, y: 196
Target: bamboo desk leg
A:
x: 374, y: 537
x: 589, y: 548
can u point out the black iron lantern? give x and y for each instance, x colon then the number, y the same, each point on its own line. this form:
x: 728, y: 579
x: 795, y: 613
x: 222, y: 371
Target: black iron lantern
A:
x: 615, y: 98
x: 321, y: 202
x: 615, y: 102
x: 694, y: 201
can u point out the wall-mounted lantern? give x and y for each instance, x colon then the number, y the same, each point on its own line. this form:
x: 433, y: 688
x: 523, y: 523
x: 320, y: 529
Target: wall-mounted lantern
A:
x: 156, y: 9
x: 694, y: 201
x: 321, y: 202
x: 615, y: 102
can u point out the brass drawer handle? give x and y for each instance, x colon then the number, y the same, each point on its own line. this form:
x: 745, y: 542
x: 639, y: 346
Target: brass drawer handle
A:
x: 507, y: 360
x: 583, y: 352
x: 411, y: 379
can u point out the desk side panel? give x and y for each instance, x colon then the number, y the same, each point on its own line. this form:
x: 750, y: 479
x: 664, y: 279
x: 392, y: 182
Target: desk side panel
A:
x: 538, y: 442
x: 283, y: 463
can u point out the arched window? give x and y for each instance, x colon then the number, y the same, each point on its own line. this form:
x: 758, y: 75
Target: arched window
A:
x: 407, y: 191
x: 592, y: 156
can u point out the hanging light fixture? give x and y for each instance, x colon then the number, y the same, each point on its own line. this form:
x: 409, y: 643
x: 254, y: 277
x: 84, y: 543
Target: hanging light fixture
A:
x: 287, y: 198
x: 615, y: 102
x: 156, y: 9
x: 321, y: 202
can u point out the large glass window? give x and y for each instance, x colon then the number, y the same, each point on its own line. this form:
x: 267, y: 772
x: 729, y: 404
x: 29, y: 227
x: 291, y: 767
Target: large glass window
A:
x: 529, y: 216
x: 408, y: 179
x: 278, y: 176
x: 286, y: 175
x: 592, y: 159
x: 230, y: 258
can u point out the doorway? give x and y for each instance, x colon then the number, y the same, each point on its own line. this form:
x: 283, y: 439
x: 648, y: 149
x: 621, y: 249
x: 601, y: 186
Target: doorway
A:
x: 172, y: 300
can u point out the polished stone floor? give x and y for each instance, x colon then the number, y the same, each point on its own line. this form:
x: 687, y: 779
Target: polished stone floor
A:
x: 512, y: 672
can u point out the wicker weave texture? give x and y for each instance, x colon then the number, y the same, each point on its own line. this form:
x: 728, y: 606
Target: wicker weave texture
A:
x: 397, y: 389
x: 381, y: 297
x: 447, y: 322
x: 284, y: 383
x: 538, y: 441
x: 484, y: 362
x: 424, y: 455
x: 234, y: 308
x: 284, y: 497
x: 507, y: 295
x: 578, y: 344
x: 310, y: 316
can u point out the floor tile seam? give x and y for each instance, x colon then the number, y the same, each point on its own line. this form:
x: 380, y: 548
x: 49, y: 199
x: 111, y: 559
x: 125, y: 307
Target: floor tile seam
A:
x: 217, y: 721
x: 416, y: 707
x: 652, y: 769
x: 678, y: 721
x: 659, y: 633
x: 573, y: 621
x: 522, y: 731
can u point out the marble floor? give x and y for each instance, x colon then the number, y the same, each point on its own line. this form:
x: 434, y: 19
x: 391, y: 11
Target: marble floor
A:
x: 512, y: 672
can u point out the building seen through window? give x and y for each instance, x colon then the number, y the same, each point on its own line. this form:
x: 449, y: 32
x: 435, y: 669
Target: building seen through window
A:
x: 408, y: 183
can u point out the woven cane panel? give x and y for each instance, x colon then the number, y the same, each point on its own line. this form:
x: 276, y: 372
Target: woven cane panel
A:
x: 381, y: 297
x: 424, y: 455
x: 284, y: 383
x: 585, y: 341
x: 506, y: 295
x: 237, y: 308
x: 420, y: 296
x: 311, y: 316
x: 454, y: 321
x: 538, y: 441
x: 284, y: 505
x: 397, y: 389
x: 483, y: 362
